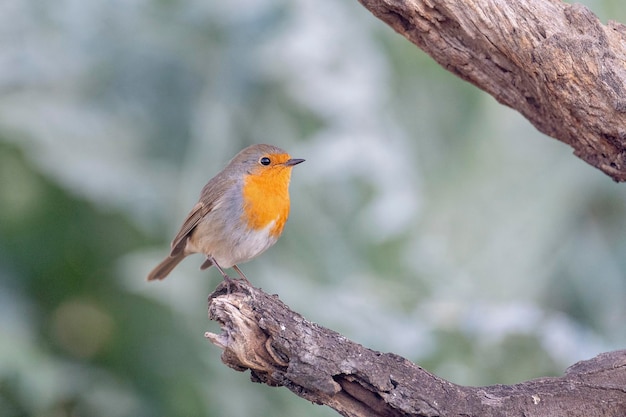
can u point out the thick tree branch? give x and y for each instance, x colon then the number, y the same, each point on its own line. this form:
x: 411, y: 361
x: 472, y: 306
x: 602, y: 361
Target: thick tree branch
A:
x: 281, y: 348
x: 553, y: 62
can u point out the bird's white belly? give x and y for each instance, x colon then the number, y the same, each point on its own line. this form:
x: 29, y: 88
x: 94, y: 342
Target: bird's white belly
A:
x: 249, y: 244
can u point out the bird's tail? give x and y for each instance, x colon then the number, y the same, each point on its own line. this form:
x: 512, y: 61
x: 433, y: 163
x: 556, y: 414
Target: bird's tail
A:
x: 165, y: 267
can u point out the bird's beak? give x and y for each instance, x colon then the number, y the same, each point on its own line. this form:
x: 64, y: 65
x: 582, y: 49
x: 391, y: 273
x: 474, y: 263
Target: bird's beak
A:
x: 291, y: 162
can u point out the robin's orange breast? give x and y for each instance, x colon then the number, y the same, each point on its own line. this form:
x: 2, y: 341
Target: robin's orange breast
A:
x: 266, y: 199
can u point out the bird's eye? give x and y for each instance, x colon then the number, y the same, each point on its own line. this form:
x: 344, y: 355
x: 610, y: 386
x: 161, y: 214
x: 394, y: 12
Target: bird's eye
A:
x: 265, y: 161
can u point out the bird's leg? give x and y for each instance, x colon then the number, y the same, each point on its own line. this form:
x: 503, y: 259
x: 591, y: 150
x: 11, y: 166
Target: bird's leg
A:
x: 219, y: 268
x: 229, y: 281
x: 236, y: 268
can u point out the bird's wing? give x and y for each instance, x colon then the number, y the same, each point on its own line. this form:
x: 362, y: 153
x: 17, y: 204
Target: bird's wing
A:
x: 191, y: 221
x: 210, y: 198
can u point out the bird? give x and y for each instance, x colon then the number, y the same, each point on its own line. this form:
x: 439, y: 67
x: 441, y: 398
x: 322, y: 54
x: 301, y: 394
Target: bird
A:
x: 240, y: 214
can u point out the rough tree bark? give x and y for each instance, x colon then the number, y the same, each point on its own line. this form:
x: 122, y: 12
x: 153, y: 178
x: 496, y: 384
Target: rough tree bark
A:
x: 281, y: 348
x: 553, y: 62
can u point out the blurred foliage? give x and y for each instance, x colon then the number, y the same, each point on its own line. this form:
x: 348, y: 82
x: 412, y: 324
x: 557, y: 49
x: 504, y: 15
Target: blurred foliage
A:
x: 428, y: 220
x: 58, y: 262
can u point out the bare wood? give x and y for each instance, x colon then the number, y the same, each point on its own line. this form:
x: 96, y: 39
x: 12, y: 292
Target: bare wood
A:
x: 553, y: 62
x: 281, y: 348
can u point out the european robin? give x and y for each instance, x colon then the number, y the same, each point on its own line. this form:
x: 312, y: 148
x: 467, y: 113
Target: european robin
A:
x: 240, y: 214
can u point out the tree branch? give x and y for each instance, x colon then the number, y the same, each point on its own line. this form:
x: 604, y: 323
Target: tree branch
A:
x: 553, y: 62
x: 281, y: 348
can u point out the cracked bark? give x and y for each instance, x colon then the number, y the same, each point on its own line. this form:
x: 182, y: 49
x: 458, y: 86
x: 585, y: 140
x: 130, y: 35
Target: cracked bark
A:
x: 553, y: 62
x: 281, y: 348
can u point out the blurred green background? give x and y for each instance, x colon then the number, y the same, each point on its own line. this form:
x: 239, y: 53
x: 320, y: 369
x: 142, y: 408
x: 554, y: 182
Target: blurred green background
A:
x: 428, y: 220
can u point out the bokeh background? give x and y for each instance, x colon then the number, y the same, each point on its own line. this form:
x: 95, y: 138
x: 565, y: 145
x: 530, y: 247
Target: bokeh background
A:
x: 428, y: 220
